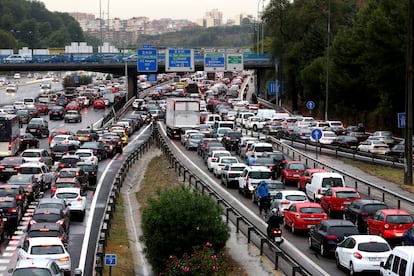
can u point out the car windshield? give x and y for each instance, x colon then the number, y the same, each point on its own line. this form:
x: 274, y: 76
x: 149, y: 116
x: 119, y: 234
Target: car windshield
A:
x: 50, y: 205
x: 399, y: 219
x: 8, y: 192
x: 30, y: 170
x: 373, y: 247
x: 43, y: 233
x: 67, y: 195
x: 296, y: 197
x: 84, y: 154
x: 263, y: 149
x: 331, y: 182
x: 260, y: 175
x: 32, y: 271
x: 299, y: 167
x: 346, y: 194
x: 31, y: 154
x: 47, y: 249
x: 275, y: 186
x: 311, y: 210
x: 67, y: 174
x: 45, y: 217
x: 372, y: 208
x: 86, y: 168
x: 342, y: 230
x: 237, y: 168
x: 229, y: 160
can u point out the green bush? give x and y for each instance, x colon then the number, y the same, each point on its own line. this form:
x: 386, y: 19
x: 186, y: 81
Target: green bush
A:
x: 179, y: 220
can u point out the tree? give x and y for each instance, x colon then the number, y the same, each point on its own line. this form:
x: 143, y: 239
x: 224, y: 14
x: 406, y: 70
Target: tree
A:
x: 178, y: 220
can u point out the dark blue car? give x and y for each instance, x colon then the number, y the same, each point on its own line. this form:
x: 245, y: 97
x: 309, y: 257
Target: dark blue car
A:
x: 408, y: 236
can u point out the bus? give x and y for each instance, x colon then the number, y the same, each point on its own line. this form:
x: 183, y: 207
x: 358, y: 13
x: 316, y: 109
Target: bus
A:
x: 9, y: 135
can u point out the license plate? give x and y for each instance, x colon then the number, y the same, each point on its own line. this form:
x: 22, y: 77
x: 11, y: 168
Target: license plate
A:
x: 347, y: 202
x: 398, y: 234
x: 309, y: 226
x: 296, y: 175
x: 8, y: 170
x: 33, y: 130
x: 374, y: 259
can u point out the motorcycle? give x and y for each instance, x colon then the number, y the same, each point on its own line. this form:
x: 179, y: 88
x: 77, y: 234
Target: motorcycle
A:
x: 275, y: 235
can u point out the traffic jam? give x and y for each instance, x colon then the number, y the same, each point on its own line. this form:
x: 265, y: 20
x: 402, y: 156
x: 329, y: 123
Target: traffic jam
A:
x: 336, y: 221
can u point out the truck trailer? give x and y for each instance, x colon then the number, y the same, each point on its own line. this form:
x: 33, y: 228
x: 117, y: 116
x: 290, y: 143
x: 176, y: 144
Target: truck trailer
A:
x: 181, y: 113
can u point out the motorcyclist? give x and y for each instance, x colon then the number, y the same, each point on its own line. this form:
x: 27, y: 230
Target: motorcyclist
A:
x: 263, y: 196
x: 275, y: 220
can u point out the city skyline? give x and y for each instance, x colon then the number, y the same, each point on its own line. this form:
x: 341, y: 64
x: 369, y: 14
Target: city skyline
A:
x: 178, y: 9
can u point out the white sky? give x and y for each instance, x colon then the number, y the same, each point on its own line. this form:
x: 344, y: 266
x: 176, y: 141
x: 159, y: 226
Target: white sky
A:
x: 156, y: 9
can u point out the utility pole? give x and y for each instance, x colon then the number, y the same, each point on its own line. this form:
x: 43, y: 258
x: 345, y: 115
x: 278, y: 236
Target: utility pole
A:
x: 327, y: 61
x: 408, y: 161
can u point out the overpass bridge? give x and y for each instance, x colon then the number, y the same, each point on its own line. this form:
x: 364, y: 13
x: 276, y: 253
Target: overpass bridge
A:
x: 257, y: 62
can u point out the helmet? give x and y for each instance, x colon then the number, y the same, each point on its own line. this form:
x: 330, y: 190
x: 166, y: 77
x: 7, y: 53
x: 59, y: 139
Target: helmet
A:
x: 274, y: 211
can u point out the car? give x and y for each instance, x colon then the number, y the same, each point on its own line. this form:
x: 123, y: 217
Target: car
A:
x: 292, y: 172
x: 33, y: 112
x: 346, y: 141
x: 12, y: 211
x: 77, y: 173
x: 384, y: 136
x: 362, y: 253
x: 72, y: 116
x: 36, y: 267
x: 360, y: 135
x: 336, y: 199
x: 112, y: 143
x: 399, y: 262
x: 320, y: 182
x: 185, y: 134
x: 55, y: 215
x: 59, y: 132
x: 230, y: 174
x: 193, y: 140
x: 17, y: 192
x: 41, y: 172
x: 68, y: 161
x: 221, y: 162
x: 73, y: 105
x: 231, y: 140
x: 408, y: 237
x: 274, y: 186
x: 98, y: 149
x: 70, y: 182
x: 12, y: 88
x: 65, y: 139
x: 38, y: 127
x: 214, y: 156
x: 48, y: 229
x: 57, y: 112
x: 360, y: 210
x: 45, y: 247
x: 87, y: 156
x: 300, y: 133
x: 373, y: 146
x: 28, y: 182
x: 283, y: 199
x: 279, y: 159
x: 266, y: 162
x: 251, y: 177
x: 328, y: 233
x: 99, y: 104
x: 91, y: 171
x: 301, y: 216
x: 58, y: 150
x: 62, y: 101
x: 86, y: 135
x: 54, y: 203
x: 75, y: 198
x: 27, y: 141
x: 10, y: 165
x: 37, y: 155
x: 306, y: 176
x: 390, y: 223
x: 17, y: 58
x: 327, y: 137
x: 24, y: 116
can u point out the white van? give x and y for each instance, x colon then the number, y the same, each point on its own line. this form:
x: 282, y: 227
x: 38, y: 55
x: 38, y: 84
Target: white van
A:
x: 242, y: 117
x: 211, y: 118
x: 266, y: 113
x: 29, y: 102
x: 320, y: 182
x: 399, y: 263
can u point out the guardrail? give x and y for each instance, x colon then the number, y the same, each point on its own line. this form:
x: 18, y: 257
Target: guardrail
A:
x: 254, y: 235
x: 117, y: 183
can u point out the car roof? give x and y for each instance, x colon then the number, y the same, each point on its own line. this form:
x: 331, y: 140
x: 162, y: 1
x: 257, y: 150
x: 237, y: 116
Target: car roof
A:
x: 47, y: 210
x: 258, y: 168
x: 34, y: 263
x: 68, y: 190
x: 32, y: 164
x: 44, y: 241
x: 368, y: 238
x: 307, y: 204
x: 292, y: 192
x: 394, y: 212
x: 336, y: 222
x: 41, y: 225
x: 51, y: 200
x: 66, y: 179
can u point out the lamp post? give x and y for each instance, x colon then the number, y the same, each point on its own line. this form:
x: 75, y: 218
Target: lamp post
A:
x: 327, y: 61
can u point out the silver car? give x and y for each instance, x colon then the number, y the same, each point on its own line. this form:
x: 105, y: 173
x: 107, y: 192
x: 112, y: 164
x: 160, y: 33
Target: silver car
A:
x: 73, y: 116
x: 230, y: 174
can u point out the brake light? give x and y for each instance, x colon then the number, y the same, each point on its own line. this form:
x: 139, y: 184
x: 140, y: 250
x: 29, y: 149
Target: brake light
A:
x: 29, y: 186
x: 386, y: 226
x: 285, y: 202
x: 19, y: 197
x: 93, y: 158
x: 331, y: 237
x: 80, y: 199
x: 364, y: 214
x: 319, y: 191
x: 213, y: 159
x: 53, y: 190
x: 2, y: 167
x: 64, y: 259
x: 357, y: 255
x: 12, y: 210
x: 17, y: 168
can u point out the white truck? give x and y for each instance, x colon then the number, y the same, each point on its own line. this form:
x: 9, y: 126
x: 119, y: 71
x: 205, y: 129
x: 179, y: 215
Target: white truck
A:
x: 181, y: 113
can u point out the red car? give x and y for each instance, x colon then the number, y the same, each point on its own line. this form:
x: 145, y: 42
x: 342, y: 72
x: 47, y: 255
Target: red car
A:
x: 306, y: 176
x: 42, y: 108
x: 336, y: 199
x: 73, y: 105
x: 99, y: 103
x: 303, y: 215
x: 292, y: 171
x: 390, y: 223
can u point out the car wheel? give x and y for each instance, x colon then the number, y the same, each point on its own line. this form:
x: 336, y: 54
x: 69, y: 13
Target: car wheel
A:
x: 254, y: 127
x: 368, y: 232
x: 338, y: 264
x: 292, y: 228
x: 82, y: 216
x: 310, y: 242
x: 351, y: 269
x: 329, y: 211
x: 322, y: 249
x: 253, y: 199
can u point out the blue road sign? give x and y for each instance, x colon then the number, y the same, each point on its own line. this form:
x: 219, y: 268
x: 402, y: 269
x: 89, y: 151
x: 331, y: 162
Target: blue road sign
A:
x: 152, y: 77
x: 76, y: 79
x: 214, y: 61
x: 179, y: 60
x: 401, y: 120
x: 310, y: 105
x: 316, y: 134
x: 274, y: 88
x: 110, y: 259
x: 147, y: 60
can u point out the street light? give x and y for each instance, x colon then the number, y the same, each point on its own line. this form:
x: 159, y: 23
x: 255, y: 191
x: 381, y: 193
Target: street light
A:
x: 327, y: 61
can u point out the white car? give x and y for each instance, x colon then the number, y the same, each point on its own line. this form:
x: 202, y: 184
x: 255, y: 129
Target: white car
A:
x: 327, y: 138
x: 362, y: 253
x: 64, y: 139
x: 283, y: 199
x: 74, y: 198
x: 37, y: 267
x: 222, y: 162
x: 37, y: 155
x: 87, y: 156
x: 185, y: 134
x: 46, y: 248
x: 215, y: 155
x: 374, y: 146
x: 255, y: 123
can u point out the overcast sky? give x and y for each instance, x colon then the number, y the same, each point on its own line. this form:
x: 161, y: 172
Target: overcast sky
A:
x: 156, y: 9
